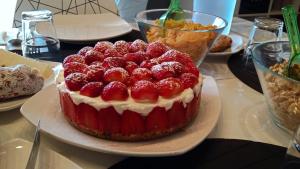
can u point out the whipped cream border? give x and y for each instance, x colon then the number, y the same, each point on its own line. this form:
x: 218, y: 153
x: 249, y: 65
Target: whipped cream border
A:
x: 130, y: 104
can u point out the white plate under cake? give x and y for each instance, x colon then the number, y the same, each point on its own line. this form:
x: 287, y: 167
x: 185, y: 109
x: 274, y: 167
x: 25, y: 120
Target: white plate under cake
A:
x: 54, y: 124
x: 148, y: 94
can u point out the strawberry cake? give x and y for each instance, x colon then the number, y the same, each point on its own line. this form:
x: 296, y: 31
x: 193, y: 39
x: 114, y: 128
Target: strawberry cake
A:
x: 130, y: 91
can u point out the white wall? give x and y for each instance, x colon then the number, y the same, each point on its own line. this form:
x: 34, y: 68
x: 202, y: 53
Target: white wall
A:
x: 6, y: 14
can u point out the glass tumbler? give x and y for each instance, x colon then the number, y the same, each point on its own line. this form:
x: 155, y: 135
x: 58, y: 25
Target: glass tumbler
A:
x: 292, y: 158
x: 39, y: 35
x: 218, y: 8
x: 263, y: 30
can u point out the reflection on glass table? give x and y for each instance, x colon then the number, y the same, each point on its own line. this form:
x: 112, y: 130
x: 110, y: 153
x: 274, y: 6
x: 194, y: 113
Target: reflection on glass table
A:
x: 292, y: 159
x: 14, y: 154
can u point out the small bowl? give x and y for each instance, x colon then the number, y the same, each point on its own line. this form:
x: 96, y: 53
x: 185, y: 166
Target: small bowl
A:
x: 194, y: 42
x: 281, y: 93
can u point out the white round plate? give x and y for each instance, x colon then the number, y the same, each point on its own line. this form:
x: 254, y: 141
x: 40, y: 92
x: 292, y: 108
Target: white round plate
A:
x: 54, y: 123
x: 15, y: 153
x: 90, y: 27
x: 236, y: 46
x: 17, y: 102
x: 12, y: 104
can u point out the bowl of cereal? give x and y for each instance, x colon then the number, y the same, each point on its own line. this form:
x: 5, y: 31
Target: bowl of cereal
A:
x: 194, y: 33
x: 281, y: 92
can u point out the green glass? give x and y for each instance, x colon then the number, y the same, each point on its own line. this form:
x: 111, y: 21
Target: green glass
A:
x: 290, y: 19
x: 174, y: 12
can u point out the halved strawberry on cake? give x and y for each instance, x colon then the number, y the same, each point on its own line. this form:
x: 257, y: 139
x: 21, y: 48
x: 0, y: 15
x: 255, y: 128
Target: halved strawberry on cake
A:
x: 130, y: 91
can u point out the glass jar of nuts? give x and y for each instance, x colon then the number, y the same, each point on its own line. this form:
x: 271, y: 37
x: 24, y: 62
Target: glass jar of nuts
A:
x: 282, y: 93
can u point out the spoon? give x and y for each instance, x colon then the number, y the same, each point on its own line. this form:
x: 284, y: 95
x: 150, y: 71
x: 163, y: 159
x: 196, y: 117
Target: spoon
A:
x: 290, y: 19
x: 174, y: 12
x: 34, y: 149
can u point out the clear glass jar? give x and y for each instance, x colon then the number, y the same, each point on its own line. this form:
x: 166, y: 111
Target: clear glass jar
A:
x: 39, y: 35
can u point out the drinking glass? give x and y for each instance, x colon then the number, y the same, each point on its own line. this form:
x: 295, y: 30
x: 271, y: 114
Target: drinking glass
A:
x: 263, y: 30
x: 219, y: 8
x: 39, y: 35
x: 292, y: 158
x: 129, y: 8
